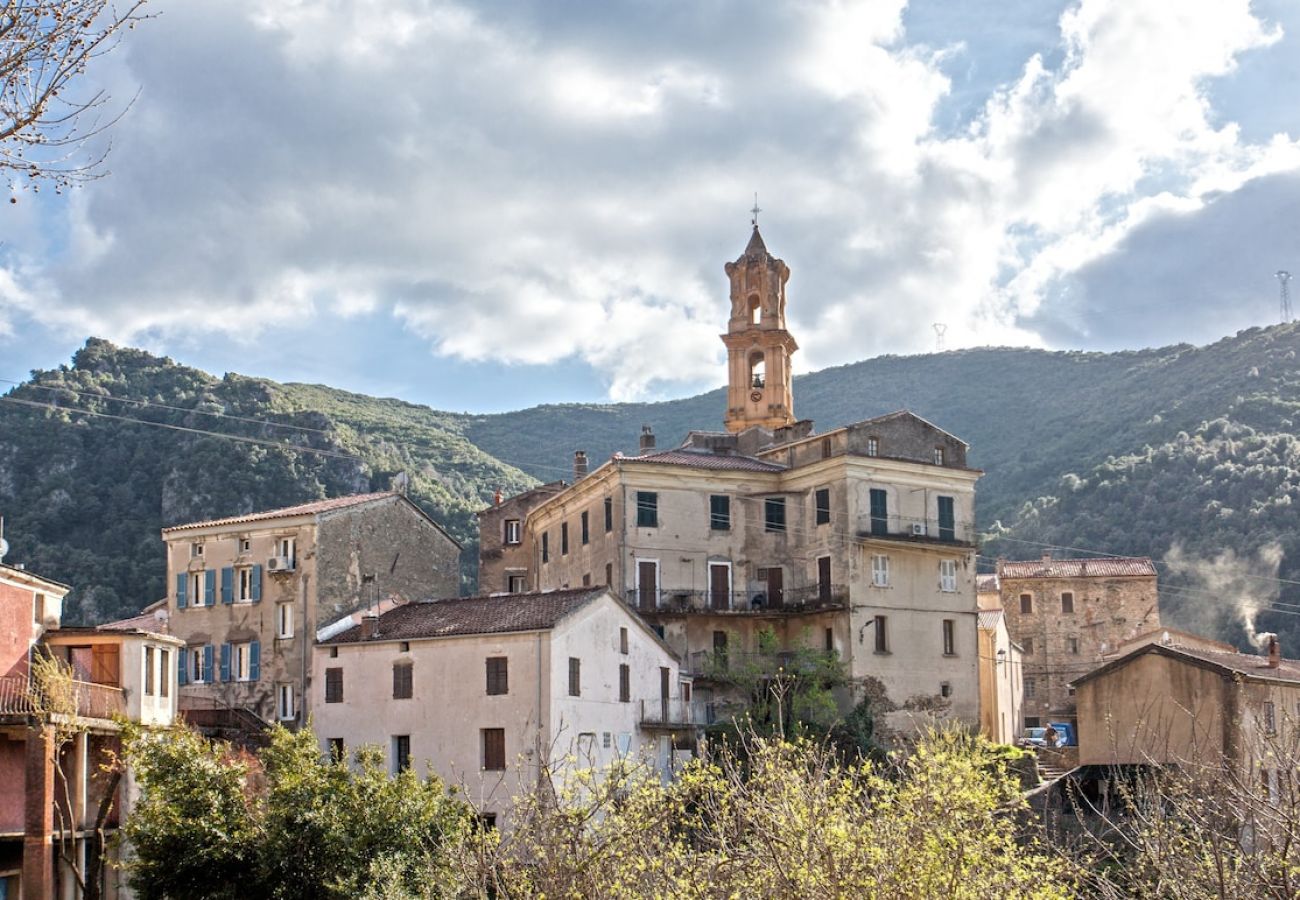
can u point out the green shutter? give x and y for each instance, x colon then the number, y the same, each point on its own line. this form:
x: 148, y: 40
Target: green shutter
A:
x: 228, y: 584
x: 181, y: 579
x: 257, y: 583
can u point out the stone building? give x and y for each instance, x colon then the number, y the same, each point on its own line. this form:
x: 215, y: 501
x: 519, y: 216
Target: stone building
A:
x: 1193, y: 703
x: 858, y: 541
x: 52, y: 764
x: 247, y: 594
x: 484, y: 689
x: 1067, y: 615
x: 502, y: 555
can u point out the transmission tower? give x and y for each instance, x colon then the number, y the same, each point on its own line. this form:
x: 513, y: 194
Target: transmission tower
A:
x: 940, y: 329
x: 1283, y: 276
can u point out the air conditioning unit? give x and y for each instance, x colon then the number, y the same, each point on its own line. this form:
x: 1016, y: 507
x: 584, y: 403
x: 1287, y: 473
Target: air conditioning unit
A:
x: 279, y: 564
x: 918, y: 529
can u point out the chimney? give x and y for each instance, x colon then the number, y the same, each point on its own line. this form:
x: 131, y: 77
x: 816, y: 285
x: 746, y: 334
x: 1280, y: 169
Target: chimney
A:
x: 1047, y: 556
x: 496, y: 498
x: 579, y: 465
x: 647, y: 440
x: 369, y: 626
x: 1274, y: 652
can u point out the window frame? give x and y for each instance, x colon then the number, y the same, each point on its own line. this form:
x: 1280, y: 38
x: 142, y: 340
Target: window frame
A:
x: 880, y: 570
x: 774, y: 515
x: 283, y: 621
x: 564, y: 538
x: 285, y: 702
x: 822, y: 506
x: 497, y: 672
x: 1067, y: 600
x: 948, y: 576
x: 584, y: 521
x: 404, y: 680
x: 624, y: 683
x: 1026, y: 604
x: 719, y: 512
x: 493, y: 749
x: 401, y: 747
x: 334, y: 684
x: 149, y: 676
x: 609, y: 514
x: 512, y: 532
x: 575, y: 676
x: 881, y: 636
x: 647, y: 509
x: 949, y: 637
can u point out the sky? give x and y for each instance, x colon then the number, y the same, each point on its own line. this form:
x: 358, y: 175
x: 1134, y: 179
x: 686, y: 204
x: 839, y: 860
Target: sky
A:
x: 483, y: 207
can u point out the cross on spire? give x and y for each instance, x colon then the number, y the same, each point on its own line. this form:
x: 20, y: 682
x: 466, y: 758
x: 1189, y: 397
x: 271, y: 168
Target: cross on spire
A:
x: 755, y: 211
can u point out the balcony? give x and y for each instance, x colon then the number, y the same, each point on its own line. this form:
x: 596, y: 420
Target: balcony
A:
x: 668, y: 714
x: 94, y: 701
x: 722, y: 665
x: 691, y: 601
x: 913, y: 531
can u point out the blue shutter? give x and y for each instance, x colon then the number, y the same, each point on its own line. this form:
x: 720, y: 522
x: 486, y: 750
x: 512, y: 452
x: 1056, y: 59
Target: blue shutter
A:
x: 254, y: 660
x: 181, y: 579
x: 225, y: 662
x: 207, y: 664
x: 210, y: 587
x: 257, y: 583
x: 228, y: 584
x: 182, y: 666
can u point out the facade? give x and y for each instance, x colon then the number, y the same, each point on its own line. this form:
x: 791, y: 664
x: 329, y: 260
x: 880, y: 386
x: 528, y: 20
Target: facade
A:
x: 1166, y: 703
x: 247, y: 593
x: 1001, y: 679
x: 502, y: 556
x: 52, y: 782
x: 859, y: 541
x: 1067, y: 615
x: 482, y: 689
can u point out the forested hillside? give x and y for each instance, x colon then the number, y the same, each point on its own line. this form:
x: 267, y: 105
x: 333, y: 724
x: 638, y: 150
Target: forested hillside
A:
x: 1132, y: 452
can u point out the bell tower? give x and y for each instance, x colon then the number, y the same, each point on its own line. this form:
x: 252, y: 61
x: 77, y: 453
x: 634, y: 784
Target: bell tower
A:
x: 758, y: 346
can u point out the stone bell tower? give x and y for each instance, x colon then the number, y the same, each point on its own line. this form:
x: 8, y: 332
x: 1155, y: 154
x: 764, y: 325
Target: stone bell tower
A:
x: 758, y: 346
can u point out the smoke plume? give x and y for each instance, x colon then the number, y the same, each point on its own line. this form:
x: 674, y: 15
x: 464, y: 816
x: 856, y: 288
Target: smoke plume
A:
x: 1245, y: 585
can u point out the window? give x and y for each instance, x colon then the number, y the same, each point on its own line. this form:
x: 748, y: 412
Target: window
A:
x: 826, y: 448
x: 497, y: 676
x: 624, y: 683
x: 401, y: 753
x: 1026, y: 604
x: 287, y: 547
x: 546, y: 546
x: 1033, y: 722
x: 334, y: 652
x: 719, y: 512
x: 1270, y: 718
x: 1072, y: 645
x: 879, y: 511
x: 244, y: 587
x: 609, y: 514
x: 241, y: 661
x: 622, y: 641
x: 647, y: 509
x: 586, y: 579
x: 245, y: 545
x: 1028, y: 646
x: 286, y: 707
x: 881, y: 624
x: 945, y: 689
x: 406, y: 646
x: 822, y: 502
x: 513, y: 531
x: 284, y: 620
x: 487, y: 821
x: 830, y: 640
x: 196, y: 551
x: 515, y: 584
x: 947, y: 519
x: 338, y: 753
x: 948, y: 575
x: 1067, y: 602
x: 949, y: 637
x: 938, y: 456
x: 575, y: 677
x: 873, y: 446
x: 880, y: 571
x: 334, y: 685
x: 609, y: 574
x: 403, y: 680
x: 564, y: 538
x: 198, y: 596
x: 38, y: 609
x: 1031, y: 686
x: 148, y: 671
x: 586, y: 528
x: 494, y: 749
x: 164, y: 672
x: 774, y: 514
x: 824, y: 579
x: 201, y: 667
x: 606, y: 741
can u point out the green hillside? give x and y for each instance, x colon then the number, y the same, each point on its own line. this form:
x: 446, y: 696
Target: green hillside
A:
x: 1130, y: 452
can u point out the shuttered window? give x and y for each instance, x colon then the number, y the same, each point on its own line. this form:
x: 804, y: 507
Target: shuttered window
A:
x: 575, y: 677
x: 403, y: 681
x: 625, y: 683
x: 647, y: 509
x: 497, y: 675
x: 774, y: 514
x: 334, y: 685
x: 719, y: 512
x: 823, y: 502
x: 494, y: 749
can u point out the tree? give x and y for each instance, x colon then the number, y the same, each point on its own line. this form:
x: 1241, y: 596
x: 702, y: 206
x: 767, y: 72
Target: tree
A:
x: 45, y: 49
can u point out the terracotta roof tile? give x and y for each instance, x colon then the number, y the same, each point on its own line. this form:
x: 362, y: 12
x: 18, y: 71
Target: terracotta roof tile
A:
x: 989, y: 618
x: 700, y: 459
x: 1246, y: 664
x: 496, y: 614
x: 1093, y: 566
x: 986, y: 584
x: 302, y: 509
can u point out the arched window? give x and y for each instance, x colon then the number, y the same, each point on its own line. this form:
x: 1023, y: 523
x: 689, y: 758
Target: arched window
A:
x: 757, y: 369
x: 755, y: 310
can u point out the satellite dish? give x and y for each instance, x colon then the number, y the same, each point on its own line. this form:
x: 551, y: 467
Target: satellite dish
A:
x: 4, y: 548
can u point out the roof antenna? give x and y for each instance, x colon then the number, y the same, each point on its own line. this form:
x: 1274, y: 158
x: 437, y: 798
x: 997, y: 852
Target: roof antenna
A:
x: 755, y: 211
x: 940, y: 332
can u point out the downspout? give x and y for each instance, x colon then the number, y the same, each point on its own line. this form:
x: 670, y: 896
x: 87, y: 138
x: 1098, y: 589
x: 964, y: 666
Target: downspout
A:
x: 308, y: 635
x: 622, y: 540
x: 538, y: 679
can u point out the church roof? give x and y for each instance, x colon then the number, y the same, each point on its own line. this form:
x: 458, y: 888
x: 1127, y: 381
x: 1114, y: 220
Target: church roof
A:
x: 756, y: 247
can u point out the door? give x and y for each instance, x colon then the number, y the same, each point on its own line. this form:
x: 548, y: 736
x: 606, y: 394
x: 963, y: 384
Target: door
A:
x: 879, y: 512
x: 664, y: 677
x: 775, y: 588
x: 824, y: 579
x: 947, y: 520
x: 105, y: 665
x: 647, y: 583
x: 720, y: 585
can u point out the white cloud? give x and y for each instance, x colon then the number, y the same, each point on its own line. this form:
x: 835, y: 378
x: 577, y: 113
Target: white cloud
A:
x: 527, y: 184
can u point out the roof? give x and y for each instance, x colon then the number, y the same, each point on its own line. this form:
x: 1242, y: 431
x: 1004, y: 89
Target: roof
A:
x: 303, y: 509
x: 703, y: 459
x: 756, y: 247
x: 907, y: 413
x: 986, y: 584
x: 1226, y: 662
x: 146, y: 622
x: 20, y: 574
x: 496, y: 614
x: 989, y: 618
x: 1092, y: 567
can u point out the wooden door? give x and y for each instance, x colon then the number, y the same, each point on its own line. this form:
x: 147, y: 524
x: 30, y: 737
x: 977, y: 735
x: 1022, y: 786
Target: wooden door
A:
x: 105, y: 665
x: 719, y: 586
x: 647, y: 583
x: 775, y: 588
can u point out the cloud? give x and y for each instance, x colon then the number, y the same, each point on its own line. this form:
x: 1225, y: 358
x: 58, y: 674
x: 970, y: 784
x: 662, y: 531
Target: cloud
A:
x: 535, y: 183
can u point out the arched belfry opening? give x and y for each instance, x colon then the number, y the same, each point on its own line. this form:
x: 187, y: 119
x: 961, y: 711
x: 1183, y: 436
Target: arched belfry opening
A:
x: 758, y: 345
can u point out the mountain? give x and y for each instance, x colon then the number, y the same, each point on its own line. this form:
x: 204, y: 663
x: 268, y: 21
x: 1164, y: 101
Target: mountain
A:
x: 1187, y: 454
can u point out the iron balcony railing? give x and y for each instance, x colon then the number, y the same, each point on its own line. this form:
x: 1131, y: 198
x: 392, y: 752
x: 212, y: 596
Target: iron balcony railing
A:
x: 908, y: 528
x: 669, y: 712
x: 806, y: 598
x: 94, y: 701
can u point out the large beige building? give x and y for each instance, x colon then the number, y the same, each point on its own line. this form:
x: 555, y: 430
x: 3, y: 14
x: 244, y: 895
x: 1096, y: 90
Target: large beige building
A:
x: 484, y: 689
x: 859, y: 541
x: 247, y: 594
x: 1068, y: 615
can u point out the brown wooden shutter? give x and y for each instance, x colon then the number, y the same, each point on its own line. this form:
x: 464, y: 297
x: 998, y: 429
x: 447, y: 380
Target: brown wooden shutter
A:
x: 105, y: 665
x: 494, y: 749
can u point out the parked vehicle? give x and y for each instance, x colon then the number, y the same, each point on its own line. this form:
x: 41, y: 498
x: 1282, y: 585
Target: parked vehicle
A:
x: 1037, y: 737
